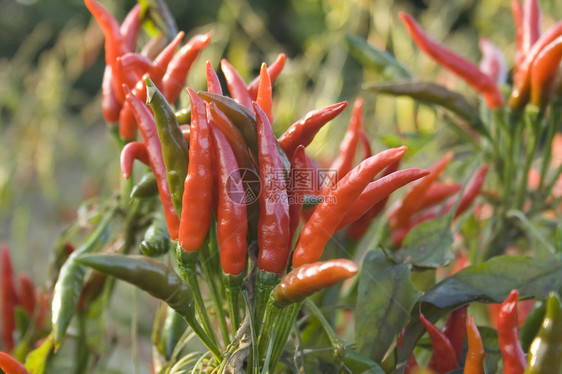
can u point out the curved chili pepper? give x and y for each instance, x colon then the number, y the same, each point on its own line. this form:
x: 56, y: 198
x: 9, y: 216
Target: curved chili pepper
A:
x: 273, y: 222
x: 545, y: 352
x: 508, y: 335
x: 455, y: 330
x: 544, y: 71
x: 458, y: 65
x: 27, y: 297
x: 531, y: 23
x: 240, y: 116
x: 474, y: 362
x: 493, y: 62
x: 213, y: 83
x: 522, y: 81
x: 304, y: 130
x: 437, y: 193
x: 179, y: 66
x: 132, y: 151
x: 10, y: 365
x: 273, y: 70
x: 197, y: 196
x: 378, y: 190
x: 329, y: 213
x: 299, y: 165
x: 146, y: 187
x: 130, y: 27
x: 344, y: 160
x: 236, y: 85
x: 147, y: 127
x: 145, y: 273
x: 264, y: 99
x: 9, y: 299
x: 311, y: 278
x: 443, y: 358
x: 156, y: 241
x: 232, y: 222
x: 175, y: 152
x: 412, y: 200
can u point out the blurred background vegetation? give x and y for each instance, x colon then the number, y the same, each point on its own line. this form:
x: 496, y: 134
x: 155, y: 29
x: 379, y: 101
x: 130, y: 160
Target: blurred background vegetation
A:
x: 56, y: 152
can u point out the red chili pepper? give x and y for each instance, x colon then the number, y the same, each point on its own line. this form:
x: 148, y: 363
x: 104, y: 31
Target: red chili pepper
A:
x: 213, y: 83
x: 365, y: 143
x: 273, y: 222
x: 27, y: 298
x: 517, y: 11
x: 458, y: 65
x: 493, y: 62
x: 437, y: 193
x: 310, y: 278
x: 232, y: 222
x: 471, y: 192
x: 508, y: 334
x: 443, y: 358
x: 264, y: 99
x: 304, y: 130
x: 197, y: 195
x: 378, y: 190
x: 455, y: 330
x: 522, y: 80
x: 413, y: 198
x: 531, y: 23
x: 109, y: 104
x: 544, y: 71
x: 130, y: 27
x: 274, y: 71
x: 133, y: 151
x: 174, y: 81
x: 474, y: 362
x: 10, y: 365
x: 344, y: 160
x: 299, y: 165
x: 9, y: 300
x: 147, y: 127
x: 330, y: 212
x: 236, y: 85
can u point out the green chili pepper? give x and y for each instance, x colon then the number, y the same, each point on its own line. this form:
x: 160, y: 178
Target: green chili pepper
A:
x: 183, y: 116
x: 147, y: 274
x: 241, y: 116
x: 156, y: 238
x: 146, y: 187
x: 174, y: 147
x: 173, y: 328
x: 432, y: 93
x: 532, y: 325
x: 545, y: 354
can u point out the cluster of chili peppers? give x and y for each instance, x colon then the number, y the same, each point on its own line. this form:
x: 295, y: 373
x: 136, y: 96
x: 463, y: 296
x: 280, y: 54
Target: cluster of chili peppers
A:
x: 429, y: 198
x: 537, y: 59
x: 19, y: 297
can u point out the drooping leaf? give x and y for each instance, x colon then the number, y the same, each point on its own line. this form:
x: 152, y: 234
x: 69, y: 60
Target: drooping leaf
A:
x: 378, y: 60
x: 489, y: 282
x: 435, y: 94
x: 384, y: 300
x: 429, y: 244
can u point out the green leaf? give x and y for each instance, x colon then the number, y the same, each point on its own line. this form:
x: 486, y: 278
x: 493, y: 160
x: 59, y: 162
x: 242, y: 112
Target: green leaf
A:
x: 430, y: 244
x: 489, y: 282
x: 384, y: 300
x: 36, y: 360
x: 432, y: 93
x: 372, y: 58
x: 358, y: 364
x: 491, y: 347
x: 156, y: 17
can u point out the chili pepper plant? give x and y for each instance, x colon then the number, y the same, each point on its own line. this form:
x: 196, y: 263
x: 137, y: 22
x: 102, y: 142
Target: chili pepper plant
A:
x: 260, y: 259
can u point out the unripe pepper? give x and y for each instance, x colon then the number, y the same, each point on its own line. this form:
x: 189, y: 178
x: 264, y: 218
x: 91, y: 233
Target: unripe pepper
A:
x: 197, y: 195
x: 232, y: 222
x: 474, y: 362
x: 508, y: 335
x: 310, y: 278
x: 156, y: 241
x: 545, y: 354
x: 458, y: 65
x: 330, y: 212
x: 147, y: 187
x: 175, y: 152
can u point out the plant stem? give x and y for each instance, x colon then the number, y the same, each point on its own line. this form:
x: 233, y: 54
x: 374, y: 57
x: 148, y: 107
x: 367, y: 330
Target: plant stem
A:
x: 285, y: 323
x: 232, y: 287
x: 189, y: 317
